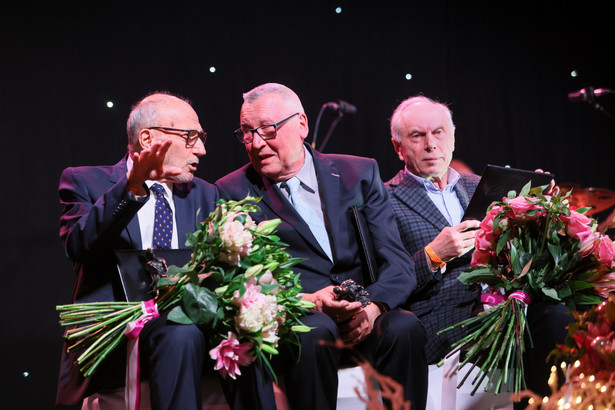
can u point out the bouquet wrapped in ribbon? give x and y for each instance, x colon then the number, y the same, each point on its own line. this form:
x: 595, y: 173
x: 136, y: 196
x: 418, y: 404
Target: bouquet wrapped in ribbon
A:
x: 238, y: 285
x: 589, y: 361
x: 528, y: 248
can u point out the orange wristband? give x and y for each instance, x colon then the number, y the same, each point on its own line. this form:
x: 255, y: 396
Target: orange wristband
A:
x: 434, y: 258
x: 133, y: 190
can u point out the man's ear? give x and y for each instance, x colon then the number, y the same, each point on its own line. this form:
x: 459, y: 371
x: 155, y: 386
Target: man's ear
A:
x: 146, y: 139
x: 303, y: 124
x: 397, y: 146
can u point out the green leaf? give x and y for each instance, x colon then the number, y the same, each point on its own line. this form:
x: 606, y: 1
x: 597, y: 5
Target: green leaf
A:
x: 556, y: 252
x: 177, y: 271
x: 515, y: 263
x: 241, y: 218
x: 479, y: 274
x: 577, y: 285
x: 164, y: 282
x: 200, y: 304
x: 177, y: 315
x: 583, y: 299
x: 564, y: 291
x: 502, y: 241
x: 551, y: 293
x: 526, y: 189
x: 584, y: 209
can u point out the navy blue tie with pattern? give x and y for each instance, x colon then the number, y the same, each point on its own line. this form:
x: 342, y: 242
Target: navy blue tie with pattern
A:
x: 163, y: 219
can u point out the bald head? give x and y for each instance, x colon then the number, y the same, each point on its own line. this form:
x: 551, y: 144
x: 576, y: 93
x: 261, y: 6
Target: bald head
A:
x: 147, y: 112
x: 397, y: 120
x: 289, y: 97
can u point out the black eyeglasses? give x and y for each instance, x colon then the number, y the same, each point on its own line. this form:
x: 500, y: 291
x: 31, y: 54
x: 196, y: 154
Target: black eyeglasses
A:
x: 266, y: 132
x: 190, y: 135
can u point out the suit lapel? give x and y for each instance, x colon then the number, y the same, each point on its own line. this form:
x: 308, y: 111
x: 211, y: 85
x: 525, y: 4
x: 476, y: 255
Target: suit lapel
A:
x: 275, y: 200
x: 462, y: 193
x: 277, y: 203
x: 414, y: 195
x: 185, y: 218
x: 329, y: 186
x: 133, y: 230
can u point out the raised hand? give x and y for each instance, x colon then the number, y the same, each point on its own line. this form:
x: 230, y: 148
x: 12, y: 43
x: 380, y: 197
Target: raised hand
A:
x: 148, y: 164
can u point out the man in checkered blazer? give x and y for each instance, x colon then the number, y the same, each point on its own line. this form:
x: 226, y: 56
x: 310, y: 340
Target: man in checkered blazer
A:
x: 429, y: 199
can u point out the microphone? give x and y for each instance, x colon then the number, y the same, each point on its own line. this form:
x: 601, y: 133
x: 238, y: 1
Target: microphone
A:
x: 587, y: 94
x: 341, y: 107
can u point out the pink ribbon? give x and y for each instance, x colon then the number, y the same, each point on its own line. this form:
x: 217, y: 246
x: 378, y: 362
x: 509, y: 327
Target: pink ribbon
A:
x: 133, y: 370
x: 493, y: 299
x: 522, y: 296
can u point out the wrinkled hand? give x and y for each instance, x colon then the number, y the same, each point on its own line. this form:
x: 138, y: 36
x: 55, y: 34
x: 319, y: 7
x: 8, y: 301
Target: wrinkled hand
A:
x: 149, y: 165
x: 454, y: 241
x: 552, y: 189
x: 325, y: 302
x: 360, y: 325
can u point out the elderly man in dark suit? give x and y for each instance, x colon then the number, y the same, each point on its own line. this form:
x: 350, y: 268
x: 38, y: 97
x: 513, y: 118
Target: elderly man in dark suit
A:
x: 429, y: 199
x: 110, y: 207
x: 313, y: 194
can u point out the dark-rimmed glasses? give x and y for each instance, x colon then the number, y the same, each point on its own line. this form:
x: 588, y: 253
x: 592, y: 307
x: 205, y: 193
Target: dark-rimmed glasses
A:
x: 191, y: 136
x: 266, y: 132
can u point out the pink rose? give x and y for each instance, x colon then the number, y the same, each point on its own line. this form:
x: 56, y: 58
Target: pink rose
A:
x: 487, y: 223
x: 520, y: 206
x: 480, y: 258
x: 483, y: 241
x: 605, y: 285
x: 580, y: 226
x: 230, y: 354
x: 589, y: 242
x: 576, y: 224
x: 605, y: 251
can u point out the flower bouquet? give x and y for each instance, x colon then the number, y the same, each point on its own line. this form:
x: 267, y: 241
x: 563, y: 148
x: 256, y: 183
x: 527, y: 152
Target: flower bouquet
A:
x: 589, y: 360
x: 530, y: 247
x: 238, y: 285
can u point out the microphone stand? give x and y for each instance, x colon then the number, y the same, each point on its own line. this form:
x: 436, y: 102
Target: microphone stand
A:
x: 339, y: 115
x: 591, y: 99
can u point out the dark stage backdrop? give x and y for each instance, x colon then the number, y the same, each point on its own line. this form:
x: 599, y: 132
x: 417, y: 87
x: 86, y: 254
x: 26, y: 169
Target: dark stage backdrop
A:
x: 505, y: 67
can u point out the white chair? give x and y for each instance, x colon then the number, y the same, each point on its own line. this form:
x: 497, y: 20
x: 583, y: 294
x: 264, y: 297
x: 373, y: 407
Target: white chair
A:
x: 444, y: 395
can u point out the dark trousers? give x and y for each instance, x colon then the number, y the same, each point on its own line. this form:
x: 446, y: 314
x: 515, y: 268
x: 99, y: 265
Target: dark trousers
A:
x: 175, y: 357
x: 396, y: 348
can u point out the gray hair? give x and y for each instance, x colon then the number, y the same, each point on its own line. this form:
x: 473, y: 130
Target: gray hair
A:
x: 290, y: 98
x: 396, y: 122
x: 145, y: 114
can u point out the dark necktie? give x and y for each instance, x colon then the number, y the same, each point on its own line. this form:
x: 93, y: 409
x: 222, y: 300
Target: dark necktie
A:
x: 163, y: 219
